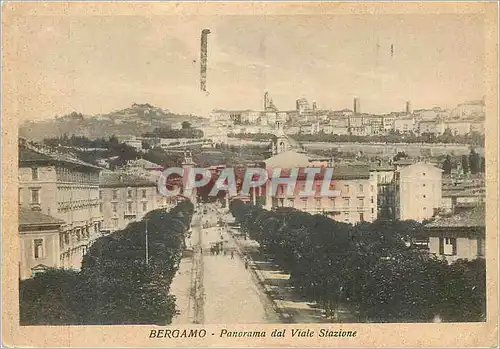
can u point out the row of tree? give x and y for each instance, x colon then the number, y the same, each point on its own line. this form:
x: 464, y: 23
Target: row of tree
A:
x: 165, y: 132
x: 472, y: 163
x: 472, y: 138
x: 373, y: 268
x: 116, y: 284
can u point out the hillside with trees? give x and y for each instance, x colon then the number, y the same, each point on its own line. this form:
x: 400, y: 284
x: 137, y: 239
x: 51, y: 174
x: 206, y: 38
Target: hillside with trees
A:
x: 132, y: 121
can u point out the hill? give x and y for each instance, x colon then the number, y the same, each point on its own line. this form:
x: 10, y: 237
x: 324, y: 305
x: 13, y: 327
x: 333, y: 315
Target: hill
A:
x: 132, y: 121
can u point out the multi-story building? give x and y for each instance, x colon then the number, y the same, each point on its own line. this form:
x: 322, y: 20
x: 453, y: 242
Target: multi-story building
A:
x: 459, y: 127
x: 125, y: 198
x: 435, y: 127
x: 302, y: 106
x: 417, y: 191
x: 459, y: 236
x: 63, y: 190
x: 430, y: 114
x: 468, y: 109
x: 477, y: 126
x: 388, y: 123
x: 405, y: 125
x: 356, y: 200
x: 384, y: 175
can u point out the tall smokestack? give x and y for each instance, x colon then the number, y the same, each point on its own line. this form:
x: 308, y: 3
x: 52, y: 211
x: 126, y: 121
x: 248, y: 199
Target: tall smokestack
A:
x: 408, y: 107
x: 203, y: 60
x: 266, y: 101
x: 356, y: 107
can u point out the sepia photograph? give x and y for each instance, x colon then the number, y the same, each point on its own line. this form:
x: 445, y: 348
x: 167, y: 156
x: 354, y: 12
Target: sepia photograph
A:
x: 220, y: 174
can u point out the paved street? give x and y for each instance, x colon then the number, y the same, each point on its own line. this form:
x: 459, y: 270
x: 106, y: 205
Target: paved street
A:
x: 223, y: 291
x: 232, y: 295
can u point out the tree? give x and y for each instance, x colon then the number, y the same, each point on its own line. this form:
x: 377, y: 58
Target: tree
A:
x: 474, y: 162
x: 465, y: 164
x: 400, y: 155
x: 116, y: 285
x: 447, y: 165
x: 186, y: 125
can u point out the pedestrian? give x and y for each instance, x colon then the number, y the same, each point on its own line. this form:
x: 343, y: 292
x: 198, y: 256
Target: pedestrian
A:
x: 232, y: 254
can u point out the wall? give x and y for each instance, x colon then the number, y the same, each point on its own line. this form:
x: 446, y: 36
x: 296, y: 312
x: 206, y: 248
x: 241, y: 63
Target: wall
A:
x: 51, y: 251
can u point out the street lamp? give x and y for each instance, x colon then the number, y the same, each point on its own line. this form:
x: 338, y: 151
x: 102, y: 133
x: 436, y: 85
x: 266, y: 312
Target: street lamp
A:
x: 147, y: 247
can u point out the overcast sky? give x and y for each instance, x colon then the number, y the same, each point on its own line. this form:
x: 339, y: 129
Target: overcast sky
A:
x: 96, y: 64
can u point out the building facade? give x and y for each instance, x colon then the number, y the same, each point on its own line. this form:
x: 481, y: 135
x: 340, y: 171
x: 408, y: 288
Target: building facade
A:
x: 417, y: 191
x: 459, y: 236
x: 65, y: 188
x: 126, y: 198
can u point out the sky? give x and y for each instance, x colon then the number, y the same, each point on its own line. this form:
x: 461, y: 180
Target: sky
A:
x: 97, y: 64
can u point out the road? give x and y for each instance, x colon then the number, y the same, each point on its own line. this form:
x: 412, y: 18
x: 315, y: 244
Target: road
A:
x: 220, y: 289
x: 232, y: 295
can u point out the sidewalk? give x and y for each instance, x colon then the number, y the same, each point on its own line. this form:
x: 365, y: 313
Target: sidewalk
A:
x: 292, y: 307
x: 181, y: 288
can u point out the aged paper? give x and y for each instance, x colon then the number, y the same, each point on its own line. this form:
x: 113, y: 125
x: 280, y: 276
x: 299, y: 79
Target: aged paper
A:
x: 101, y: 100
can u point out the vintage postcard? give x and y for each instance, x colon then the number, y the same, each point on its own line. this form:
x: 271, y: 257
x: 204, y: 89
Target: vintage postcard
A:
x: 249, y: 174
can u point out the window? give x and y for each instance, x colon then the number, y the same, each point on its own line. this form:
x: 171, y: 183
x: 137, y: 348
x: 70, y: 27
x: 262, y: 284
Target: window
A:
x: 129, y: 193
x: 423, y: 185
x: 100, y: 208
x: 318, y: 203
x: 100, y: 194
x: 66, y: 238
x: 143, y: 193
x: 346, y: 189
x: 347, y: 202
x: 372, y: 188
x: 360, y: 202
x: 423, y: 174
x: 34, y: 173
x: 290, y: 202
x: 447, y: 246
x: 35, y: 196
x: 20, y: 196
x: 361, y: 188
x: 115, y: 208
x: 373, y: 210
x: 115, y: 223
x: 115, y: 194
x: 144, y: 206
x: 129, y: 207
x: 424, y: 196
x: 371, y: 200
x: 38, y: 248
x: 304, y: 203
x: 361, y: 217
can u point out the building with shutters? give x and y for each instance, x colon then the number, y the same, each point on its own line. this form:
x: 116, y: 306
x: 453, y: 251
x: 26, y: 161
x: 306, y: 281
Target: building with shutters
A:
x: 62, y: 190
x: 458, y: 236
x: 417, y: 191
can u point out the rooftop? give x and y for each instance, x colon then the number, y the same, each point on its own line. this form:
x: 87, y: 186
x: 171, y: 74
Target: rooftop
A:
x: 30, y: 217
x: 474, y: 217
x: 32, y: 153
x: 120, y: 179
